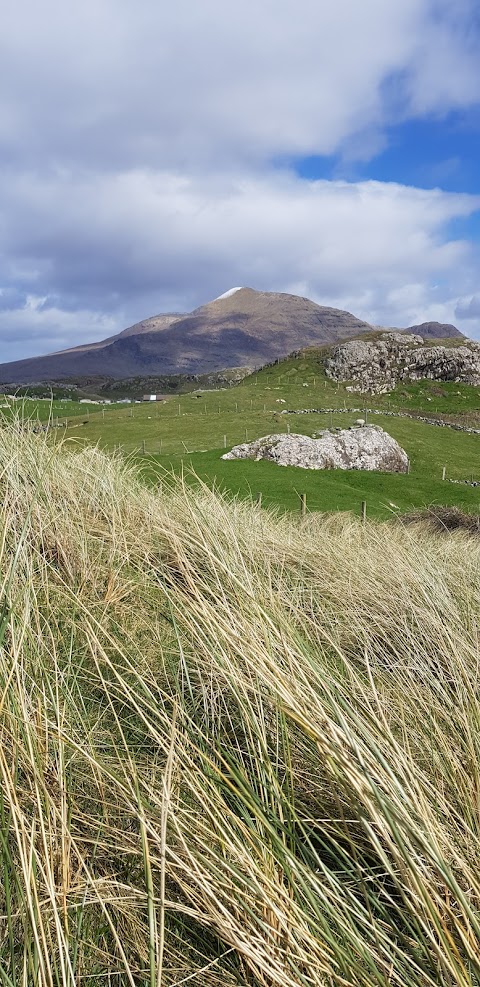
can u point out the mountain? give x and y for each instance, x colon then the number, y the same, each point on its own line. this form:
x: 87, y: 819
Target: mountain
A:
x: 435, y: 330
x: 242, y: 327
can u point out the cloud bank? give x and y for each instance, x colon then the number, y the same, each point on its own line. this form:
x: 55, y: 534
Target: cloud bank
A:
x: 144, y: 156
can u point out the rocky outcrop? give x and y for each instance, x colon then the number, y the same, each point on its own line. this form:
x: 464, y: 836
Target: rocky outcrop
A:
x: 358, y: 448
x: 376, y: 366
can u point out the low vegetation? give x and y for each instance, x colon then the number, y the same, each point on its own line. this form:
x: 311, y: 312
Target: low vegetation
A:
x: 237, y: 747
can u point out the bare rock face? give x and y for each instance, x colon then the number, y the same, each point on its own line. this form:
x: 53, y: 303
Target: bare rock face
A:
x: 365, y: 447
x: 377, y: 366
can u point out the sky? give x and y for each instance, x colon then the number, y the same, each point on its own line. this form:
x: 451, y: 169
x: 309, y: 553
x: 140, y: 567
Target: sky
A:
x: 153, y: 155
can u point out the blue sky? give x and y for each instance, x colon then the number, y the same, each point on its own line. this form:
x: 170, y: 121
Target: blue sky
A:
x: 151, y: 157
x: 431, y: 153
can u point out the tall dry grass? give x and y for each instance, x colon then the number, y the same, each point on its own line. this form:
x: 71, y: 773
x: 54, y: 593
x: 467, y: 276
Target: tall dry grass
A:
x: 235, y: 748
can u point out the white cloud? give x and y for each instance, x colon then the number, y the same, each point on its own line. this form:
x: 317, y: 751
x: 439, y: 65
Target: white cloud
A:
x: 138, y: 146
x: 445, y: 70
x: 45, y: 328
x: 165, y: 242
x: 468, y: 308
x: 162, y: 84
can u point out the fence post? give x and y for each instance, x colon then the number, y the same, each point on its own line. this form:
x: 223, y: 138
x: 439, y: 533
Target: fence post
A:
x: 144, y: 446
x: 224, y: 441
x: 444, y: 472
x: 364, y: 510
x: 246, y: 435
x: 408, y: 465
x: 303, y: 504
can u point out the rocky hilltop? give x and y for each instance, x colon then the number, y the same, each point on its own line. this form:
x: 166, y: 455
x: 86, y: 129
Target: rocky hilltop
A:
x: 242, y: 328
x: 376, y: 366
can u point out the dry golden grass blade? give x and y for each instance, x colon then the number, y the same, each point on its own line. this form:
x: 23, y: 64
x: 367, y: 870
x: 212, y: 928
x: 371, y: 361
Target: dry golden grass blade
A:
x: 234, y: 749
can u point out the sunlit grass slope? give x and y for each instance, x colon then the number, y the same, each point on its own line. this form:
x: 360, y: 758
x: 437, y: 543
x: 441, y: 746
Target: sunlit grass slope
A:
x: 194, y: 430
x: 236, y: 748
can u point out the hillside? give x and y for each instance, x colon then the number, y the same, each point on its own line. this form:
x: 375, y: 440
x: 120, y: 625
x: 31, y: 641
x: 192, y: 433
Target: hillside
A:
x: 241, y: 328
x: 195, y: 429
x: 434, y: 330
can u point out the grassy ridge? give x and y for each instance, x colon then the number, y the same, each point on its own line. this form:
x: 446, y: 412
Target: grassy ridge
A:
x: 236, y: 748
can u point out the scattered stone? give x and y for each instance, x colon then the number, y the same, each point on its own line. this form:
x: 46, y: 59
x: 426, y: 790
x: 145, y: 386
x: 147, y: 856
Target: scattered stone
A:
x: 362, y: 448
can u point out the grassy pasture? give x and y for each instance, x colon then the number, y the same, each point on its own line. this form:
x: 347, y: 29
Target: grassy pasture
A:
x: 192, y: 431
x: 43, y: 410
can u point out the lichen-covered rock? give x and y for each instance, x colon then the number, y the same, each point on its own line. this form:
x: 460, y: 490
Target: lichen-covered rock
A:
x: 376, y: 366
x: 362, y: 448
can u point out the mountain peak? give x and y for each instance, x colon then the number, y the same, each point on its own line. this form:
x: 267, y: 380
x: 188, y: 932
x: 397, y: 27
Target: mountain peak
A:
x: 242, y: 327
x: 227, y: 294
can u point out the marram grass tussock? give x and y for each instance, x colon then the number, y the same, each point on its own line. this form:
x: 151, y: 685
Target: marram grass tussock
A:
x: 236, y: 748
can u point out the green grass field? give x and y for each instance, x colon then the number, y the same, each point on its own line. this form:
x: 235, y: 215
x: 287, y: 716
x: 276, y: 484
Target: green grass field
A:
x: 190, y: 433
x: 43, y: 410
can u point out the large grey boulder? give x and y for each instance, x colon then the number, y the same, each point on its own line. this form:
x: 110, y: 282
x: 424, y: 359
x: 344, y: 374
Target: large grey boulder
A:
x: 362, y: 448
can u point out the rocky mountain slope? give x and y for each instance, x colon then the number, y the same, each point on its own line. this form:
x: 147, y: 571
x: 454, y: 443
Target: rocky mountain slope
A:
x: 428, y: 330
x: 241, y: 328
x: 434, y: 330
x: 377, y: 365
